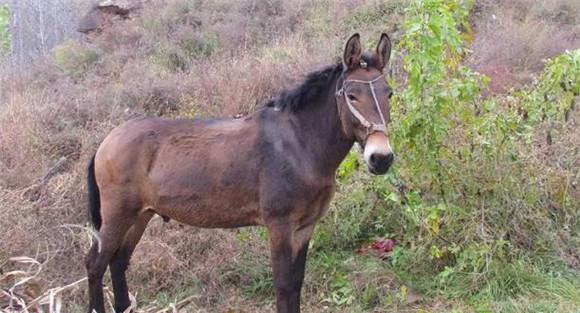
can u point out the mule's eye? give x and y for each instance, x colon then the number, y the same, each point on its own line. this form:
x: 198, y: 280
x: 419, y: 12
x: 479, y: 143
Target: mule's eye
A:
x: 351, y: 97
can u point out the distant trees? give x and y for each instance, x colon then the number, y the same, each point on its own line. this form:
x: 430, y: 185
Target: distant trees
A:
x: 38, y: 25
x: 4, y: 27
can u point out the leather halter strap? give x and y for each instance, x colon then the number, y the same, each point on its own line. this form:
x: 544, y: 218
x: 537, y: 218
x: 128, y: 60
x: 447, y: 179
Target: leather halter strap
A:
x: 370, y: 127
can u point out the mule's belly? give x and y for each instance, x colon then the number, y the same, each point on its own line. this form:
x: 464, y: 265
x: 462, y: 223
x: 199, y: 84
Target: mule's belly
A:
x: 208, y: 197
x: 209, y: 210
x: 205, y: 194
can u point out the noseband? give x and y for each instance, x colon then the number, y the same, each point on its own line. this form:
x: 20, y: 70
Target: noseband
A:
x: 370, y: 127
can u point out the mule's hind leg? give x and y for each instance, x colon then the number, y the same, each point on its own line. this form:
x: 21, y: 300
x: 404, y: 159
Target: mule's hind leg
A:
x: 117, y: 220
x: 110, y: 237
x: 120, y: 261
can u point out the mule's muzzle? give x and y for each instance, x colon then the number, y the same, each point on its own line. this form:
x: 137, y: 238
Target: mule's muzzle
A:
x: 378, y: 153
x: 379, y: 163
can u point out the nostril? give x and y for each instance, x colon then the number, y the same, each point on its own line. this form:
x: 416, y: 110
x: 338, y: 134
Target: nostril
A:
x: 377, y: 157
x: 379, y: 163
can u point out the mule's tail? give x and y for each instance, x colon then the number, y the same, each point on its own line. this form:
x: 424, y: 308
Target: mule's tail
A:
x: 94, y: 196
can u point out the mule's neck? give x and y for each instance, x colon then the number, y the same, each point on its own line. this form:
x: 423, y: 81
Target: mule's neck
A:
x: 320, y: 127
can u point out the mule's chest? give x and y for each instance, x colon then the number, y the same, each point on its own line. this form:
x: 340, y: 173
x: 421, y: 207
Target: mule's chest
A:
x: 318, y: 206
x: 303, y: 205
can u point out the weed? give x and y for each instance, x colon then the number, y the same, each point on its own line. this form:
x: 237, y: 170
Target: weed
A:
x: 74, y: 58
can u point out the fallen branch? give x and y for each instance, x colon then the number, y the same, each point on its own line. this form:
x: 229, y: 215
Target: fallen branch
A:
x: 174, y: 307
x: 55, y: 169
x: 33, y: 192
x: 48, y: 296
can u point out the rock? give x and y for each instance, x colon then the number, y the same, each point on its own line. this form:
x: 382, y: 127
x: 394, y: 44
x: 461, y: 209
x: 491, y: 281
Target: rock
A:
x: 105, y: 12
x: 90, y: 22
x: 121, y: 5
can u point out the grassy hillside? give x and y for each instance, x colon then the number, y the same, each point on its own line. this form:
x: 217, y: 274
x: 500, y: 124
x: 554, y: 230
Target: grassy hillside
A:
x: 483, y: 204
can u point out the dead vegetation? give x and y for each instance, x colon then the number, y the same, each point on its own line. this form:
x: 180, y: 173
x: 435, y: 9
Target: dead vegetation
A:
x: 513, y: 37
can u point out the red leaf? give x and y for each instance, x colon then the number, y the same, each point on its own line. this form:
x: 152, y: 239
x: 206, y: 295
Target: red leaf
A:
x: 389, y: 244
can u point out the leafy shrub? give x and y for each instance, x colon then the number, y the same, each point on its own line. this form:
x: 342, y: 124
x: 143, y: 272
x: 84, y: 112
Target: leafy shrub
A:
x: 466, y: 195
x: 466, y: 165
x: 73, y: 57
x: 199, y: 45
x: 554, y: 94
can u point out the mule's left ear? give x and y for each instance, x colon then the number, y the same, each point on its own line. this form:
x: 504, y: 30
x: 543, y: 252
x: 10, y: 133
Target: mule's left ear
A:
x: 384, y: 50
x: 352, y: 52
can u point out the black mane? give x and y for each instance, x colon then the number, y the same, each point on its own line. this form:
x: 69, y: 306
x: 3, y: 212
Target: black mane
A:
x: 314, y: 86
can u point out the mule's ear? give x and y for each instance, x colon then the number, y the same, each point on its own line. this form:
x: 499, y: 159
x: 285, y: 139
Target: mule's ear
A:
x: 384, y: 50
x: 352, y: 52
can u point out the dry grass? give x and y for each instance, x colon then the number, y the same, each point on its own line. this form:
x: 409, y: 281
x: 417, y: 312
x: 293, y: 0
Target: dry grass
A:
x: 513, y: 37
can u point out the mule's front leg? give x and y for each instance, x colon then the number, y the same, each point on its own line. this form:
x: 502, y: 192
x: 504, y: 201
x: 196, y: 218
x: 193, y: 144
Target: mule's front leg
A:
x: 289, y: 248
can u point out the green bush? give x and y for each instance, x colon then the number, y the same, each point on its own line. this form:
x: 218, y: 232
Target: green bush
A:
x: 467, y: 157
x: 475, y: 213
x: 200, y: 45
x: 74, y: 58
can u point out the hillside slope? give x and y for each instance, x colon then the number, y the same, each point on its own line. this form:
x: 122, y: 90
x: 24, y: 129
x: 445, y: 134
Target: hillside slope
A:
x: 507, y: 241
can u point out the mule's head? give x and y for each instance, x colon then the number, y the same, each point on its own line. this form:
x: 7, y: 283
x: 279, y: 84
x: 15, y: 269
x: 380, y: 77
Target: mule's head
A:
x: 363, y: 100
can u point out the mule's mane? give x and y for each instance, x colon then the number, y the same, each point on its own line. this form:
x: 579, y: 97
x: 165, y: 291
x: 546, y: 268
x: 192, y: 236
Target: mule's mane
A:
x: 314, y: 86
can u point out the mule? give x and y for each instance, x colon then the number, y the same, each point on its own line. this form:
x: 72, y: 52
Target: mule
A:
x: 275, y: 168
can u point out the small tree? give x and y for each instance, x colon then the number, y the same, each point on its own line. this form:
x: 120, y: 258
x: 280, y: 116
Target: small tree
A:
x: 4, y: 30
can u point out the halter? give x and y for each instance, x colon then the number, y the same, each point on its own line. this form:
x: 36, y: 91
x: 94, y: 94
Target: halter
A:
x: 370, y: 127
